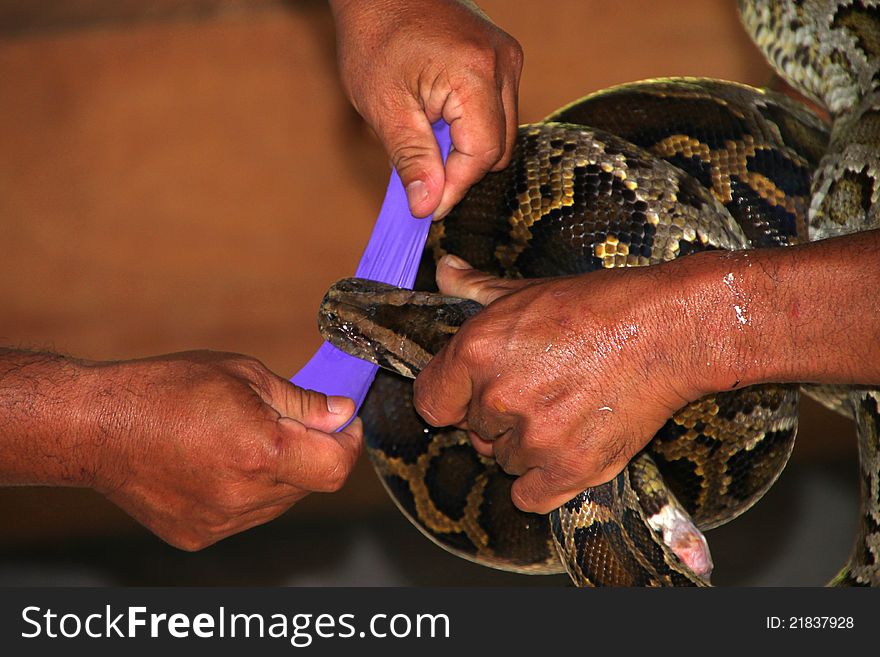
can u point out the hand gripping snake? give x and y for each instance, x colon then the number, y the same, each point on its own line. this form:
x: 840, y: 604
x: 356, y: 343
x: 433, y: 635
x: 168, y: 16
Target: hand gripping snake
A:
x: 633, y: 176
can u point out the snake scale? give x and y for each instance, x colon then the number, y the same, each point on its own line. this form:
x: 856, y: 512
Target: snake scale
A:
x: 632, y: 176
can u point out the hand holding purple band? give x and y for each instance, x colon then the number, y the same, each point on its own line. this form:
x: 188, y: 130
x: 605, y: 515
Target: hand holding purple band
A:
x: 392, y: 256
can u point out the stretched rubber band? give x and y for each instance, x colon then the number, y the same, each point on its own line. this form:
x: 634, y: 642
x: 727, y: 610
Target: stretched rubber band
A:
x: 392, y: 256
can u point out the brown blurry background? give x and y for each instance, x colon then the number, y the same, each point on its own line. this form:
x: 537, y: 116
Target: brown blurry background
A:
x: 181, y: 174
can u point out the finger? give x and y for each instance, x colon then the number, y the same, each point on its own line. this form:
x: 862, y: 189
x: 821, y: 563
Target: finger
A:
x: 477, y: 127
x: 442, y: 392
x: 487, y: 424
x: 280, y: 493
x: 539, y: 490
x: 415, y: 155
x: 457, y: 278
x: 313, y: 460
x: 314, y: 409
x: 483, y: 447
x: 510, y: 103
x: 256, y: 517
x: 510, y: 455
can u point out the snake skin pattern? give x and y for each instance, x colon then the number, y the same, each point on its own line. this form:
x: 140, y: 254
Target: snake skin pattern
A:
x: 632, y: 176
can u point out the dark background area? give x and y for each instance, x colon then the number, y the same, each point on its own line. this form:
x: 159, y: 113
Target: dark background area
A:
x: 188, y: 174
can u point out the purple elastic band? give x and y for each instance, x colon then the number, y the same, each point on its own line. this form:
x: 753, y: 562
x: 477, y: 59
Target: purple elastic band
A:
x: 392, y: 256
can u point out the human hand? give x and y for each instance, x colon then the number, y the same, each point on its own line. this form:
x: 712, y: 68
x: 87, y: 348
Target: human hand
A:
x: 407, y: 63
x: 563, y: 380
x: 198, y: 446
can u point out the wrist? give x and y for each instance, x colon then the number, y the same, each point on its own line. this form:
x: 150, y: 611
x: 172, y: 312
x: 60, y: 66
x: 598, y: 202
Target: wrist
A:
x: 716, y: 304
x: 762, y: 316
x: 104, y: 420
x: 811, y: 312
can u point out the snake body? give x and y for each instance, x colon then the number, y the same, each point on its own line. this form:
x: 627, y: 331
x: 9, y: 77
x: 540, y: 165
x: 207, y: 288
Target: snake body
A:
x: 633, y: 176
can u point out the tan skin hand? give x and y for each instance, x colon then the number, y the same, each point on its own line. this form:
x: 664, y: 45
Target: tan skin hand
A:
x: 563, y: 380
x: 407, y: 63
x: 507, y: 377
x: 196, y: 446
x: 211, y: 444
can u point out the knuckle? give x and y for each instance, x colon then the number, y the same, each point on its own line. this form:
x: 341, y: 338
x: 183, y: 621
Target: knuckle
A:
x: 491, y: 153
x: 506, y: 459
x: 336, y: 476
x: 517, y: 56
x: 410, y: 156
x: 355, y: 453
x: 247, y: 364
x: 332, y: 471
x: 192, y: 543
x: 482, y: 57
x: 335, y: 482
x: 496, y: 399
x: 230, y: 376
x: 515, y: 53
x: 549, y: 401
x: 356, y: 430
x: 505, y: 159
x: 473, y: 347
x: 253, y: 370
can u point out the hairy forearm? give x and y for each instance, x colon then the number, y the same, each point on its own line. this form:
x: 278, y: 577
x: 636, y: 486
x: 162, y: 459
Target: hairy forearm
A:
x: 804, y: 314
x: 45, y: 428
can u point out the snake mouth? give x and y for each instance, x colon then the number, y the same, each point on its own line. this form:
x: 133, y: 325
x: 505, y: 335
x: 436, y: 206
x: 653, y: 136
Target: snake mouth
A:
x: 397, y: 329
x: 358, y: 317
x: 346, y: 319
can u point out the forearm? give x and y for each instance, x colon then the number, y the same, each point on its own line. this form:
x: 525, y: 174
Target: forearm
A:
x: 45, y: 423
x: 804, y: 314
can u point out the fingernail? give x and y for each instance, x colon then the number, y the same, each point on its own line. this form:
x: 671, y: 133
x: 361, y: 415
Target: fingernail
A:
x: 454, y: 261
x: 416, y: 192
x: 338, y: 405
x: 440, y: 213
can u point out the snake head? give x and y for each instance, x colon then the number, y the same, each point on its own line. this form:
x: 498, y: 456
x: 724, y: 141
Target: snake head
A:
x: 397, y: 329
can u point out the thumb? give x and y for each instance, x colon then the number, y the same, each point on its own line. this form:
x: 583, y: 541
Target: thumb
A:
x: 456, y: 278
x: 415, y: 156
x: 313, y: 409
